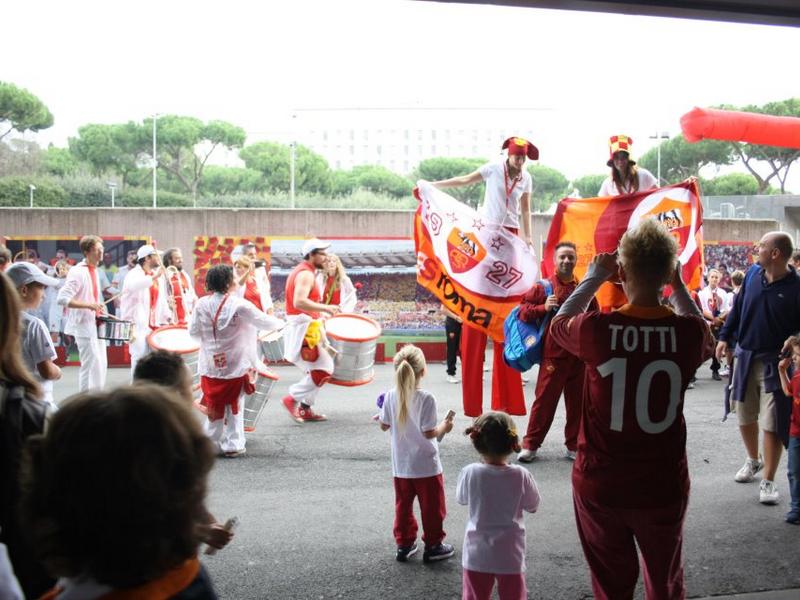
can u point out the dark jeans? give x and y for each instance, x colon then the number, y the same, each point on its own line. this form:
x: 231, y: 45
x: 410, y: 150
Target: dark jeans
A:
x: 794, y: 474
x: 452, y: 330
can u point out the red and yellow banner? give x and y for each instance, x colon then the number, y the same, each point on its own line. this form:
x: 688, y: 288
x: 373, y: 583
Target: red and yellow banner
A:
x: 596, y: 225
x: 216, y: 250
x: 478, y: 269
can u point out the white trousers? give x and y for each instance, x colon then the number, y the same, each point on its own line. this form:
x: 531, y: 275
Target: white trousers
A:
x: 94, y: 362
x: 138, y: 349
x: 228, y: 433
x: 306, y: 390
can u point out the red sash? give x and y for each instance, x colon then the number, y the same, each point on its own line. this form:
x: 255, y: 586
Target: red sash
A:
x: 177, y: 297
x: 251, y: 293
x: 219, y: 393
x: 153, y: 303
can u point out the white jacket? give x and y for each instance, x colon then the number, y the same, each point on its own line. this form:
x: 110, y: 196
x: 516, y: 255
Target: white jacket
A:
x: 81, y: 322
x: 347, y: 292
x: 135, y: 301
x: 234, y: 340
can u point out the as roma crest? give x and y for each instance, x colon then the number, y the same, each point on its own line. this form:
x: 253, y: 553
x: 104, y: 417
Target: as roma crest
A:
x: 464, y: 250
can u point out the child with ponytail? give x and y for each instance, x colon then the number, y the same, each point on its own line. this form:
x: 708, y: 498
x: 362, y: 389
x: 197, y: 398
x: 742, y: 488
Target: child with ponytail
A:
x: 409, y: 414
x: 496, y: 493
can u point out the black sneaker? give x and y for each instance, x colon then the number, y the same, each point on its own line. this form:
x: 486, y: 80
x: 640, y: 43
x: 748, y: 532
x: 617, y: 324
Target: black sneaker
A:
x: 406, y: 552
x: 438, y: 552
x: 715, y: 376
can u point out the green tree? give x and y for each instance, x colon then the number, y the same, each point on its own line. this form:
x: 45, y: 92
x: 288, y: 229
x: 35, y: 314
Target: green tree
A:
x: 436, y: 169
x: 373, y: 178
x: 59, y: 161
x: 21, y: 111
x: 549, y: 186
x: 312, y: 173
x: 15, y: 191
x: 680, y: 159
x: 184, y: 145
x: 113, y: 148
x: 732, y: 184
x: 768, y: 162
x: 589, y: 185
x: 221, y: 181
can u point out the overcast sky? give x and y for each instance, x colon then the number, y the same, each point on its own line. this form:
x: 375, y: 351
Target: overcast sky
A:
x: 254, y: 63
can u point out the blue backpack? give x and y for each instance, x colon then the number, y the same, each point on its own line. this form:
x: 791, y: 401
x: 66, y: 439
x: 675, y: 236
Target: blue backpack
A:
x: 523, y: 341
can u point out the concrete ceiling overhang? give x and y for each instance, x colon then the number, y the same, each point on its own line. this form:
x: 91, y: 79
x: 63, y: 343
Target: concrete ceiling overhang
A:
x: 761, y: 12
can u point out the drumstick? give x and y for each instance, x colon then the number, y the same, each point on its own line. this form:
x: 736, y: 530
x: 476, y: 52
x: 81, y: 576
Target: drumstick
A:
x: 114, y: 297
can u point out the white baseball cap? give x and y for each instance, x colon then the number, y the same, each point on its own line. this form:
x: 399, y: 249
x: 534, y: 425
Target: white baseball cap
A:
x: 145, y: 251
x: 313, y: 244
x: 23, y: 273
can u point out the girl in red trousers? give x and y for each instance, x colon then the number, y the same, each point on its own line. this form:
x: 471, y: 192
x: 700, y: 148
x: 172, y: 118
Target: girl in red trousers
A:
x: 409, y: 414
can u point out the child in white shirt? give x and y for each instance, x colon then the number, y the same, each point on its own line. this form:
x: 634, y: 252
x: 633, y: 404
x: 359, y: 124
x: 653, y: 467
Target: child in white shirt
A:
x: 496, y: 493
x: 409, y: 413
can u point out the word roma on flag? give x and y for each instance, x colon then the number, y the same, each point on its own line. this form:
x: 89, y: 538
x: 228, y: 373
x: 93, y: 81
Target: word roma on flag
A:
x: 476, y: 268
x: 597, y: 224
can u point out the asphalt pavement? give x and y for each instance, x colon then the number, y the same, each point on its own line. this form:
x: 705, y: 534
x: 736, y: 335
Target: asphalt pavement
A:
x: 316, y: 505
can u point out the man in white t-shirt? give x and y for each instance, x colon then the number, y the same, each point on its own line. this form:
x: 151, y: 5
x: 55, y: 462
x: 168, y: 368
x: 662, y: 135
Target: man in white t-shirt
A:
x: 507, y: 202
x: 626, y: 177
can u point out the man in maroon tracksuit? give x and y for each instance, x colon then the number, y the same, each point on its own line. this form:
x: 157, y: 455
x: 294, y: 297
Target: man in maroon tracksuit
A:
x: 559, y: 370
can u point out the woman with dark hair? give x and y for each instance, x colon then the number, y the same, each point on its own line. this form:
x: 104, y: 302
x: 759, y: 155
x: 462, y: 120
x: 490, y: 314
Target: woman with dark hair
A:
x: 128, y: 470
x: 626, y: 177
x: 22, y: 413
x: 226, y: 326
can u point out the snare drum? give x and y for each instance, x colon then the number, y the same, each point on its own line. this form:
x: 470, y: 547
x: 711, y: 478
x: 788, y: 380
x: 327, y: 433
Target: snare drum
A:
x: 355, y: 338
x: 254, y: 403
x: 270, y: 345
x: 113, y: 329
x: 176, y: 338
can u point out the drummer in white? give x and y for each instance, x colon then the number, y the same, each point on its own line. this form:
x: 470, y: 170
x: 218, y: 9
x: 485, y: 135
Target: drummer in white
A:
x: 82, y: 295
x: 223, y: 323
x: 144, y: 301
x: 303, y: 306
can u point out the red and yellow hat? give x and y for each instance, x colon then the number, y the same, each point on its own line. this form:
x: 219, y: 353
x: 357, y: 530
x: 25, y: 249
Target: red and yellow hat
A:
x: 521, y: 146
x: 619, y: 143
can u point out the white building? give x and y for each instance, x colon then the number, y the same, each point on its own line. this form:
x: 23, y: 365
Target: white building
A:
x: 399, y: 139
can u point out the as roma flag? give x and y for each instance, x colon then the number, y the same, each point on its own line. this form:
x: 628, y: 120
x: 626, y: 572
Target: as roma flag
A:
x: 596, y: 225
x: 477, y: 269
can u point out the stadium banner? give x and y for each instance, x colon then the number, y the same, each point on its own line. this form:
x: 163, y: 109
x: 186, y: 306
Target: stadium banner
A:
x: 476, y: 268
x: 596, y: 225
x: 210, y: 250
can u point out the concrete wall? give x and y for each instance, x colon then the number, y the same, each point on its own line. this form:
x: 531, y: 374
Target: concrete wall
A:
x: 179, y: 226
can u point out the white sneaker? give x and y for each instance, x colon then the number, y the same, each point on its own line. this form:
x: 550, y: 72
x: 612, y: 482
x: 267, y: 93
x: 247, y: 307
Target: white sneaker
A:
x: 724, y: 372
x: 749, y: 470
x: 570, y: 454
x: 768, y: 494
x: 526, y: 456
x: 452, y: 379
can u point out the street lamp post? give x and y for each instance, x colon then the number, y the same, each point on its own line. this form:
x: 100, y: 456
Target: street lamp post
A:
x: 112, y: 186
x: 31, y: 187
x: 292, y: 160
x: 155, y: 163
x: 659, y: 136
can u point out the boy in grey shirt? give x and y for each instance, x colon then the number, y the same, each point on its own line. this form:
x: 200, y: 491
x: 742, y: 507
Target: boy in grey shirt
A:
x: 38, y: 352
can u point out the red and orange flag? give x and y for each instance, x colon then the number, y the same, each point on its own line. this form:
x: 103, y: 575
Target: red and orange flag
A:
x: 596, y: 225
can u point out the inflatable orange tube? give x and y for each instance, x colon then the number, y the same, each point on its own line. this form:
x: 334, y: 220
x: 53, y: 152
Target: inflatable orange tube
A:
x: 735, y: 126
